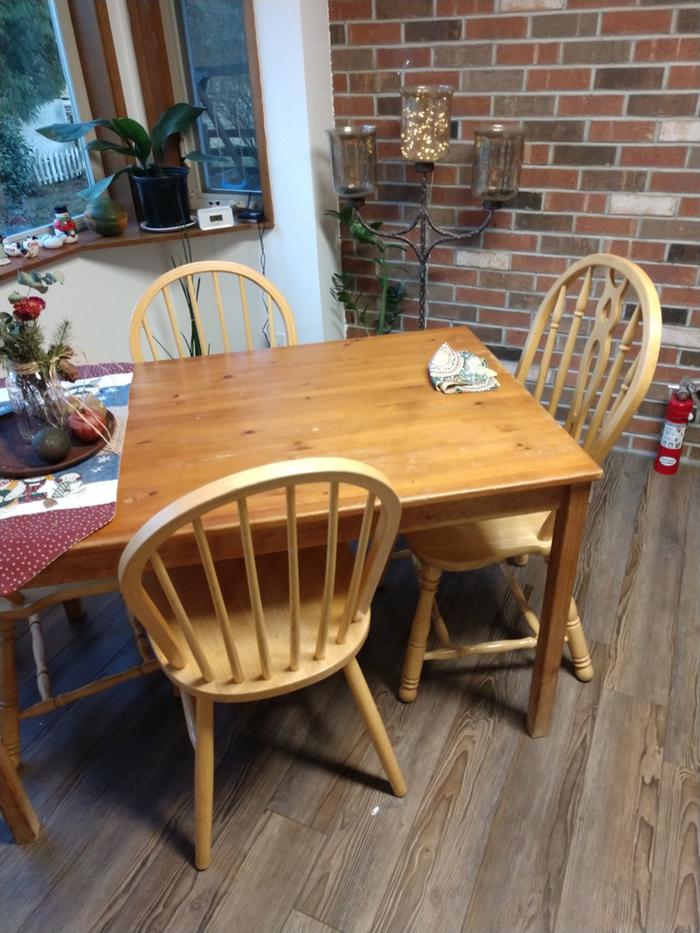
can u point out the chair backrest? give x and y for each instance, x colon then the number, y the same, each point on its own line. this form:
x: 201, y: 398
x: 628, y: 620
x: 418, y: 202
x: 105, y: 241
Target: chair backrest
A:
x: 181, y: 322
x: 593, y: 347
x: 287, y: 477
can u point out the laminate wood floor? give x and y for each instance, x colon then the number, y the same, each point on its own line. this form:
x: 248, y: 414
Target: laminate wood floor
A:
x: 594, y: 828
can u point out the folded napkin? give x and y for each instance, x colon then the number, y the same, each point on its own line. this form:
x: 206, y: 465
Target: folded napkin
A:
x: 453, y: 371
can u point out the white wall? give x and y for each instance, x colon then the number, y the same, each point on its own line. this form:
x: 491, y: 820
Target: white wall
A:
x: 103, y: 286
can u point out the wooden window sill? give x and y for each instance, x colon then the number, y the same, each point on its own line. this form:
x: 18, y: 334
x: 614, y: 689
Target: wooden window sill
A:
x: 132, y: 236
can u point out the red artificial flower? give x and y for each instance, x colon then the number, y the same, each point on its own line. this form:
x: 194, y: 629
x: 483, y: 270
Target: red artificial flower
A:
x: 28, y: 309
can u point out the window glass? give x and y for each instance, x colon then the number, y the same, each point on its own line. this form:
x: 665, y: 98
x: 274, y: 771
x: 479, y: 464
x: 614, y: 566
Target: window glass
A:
x: 216, y: 60
x: 35, y: 174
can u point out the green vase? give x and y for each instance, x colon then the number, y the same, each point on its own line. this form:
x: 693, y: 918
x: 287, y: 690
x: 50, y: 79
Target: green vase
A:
x: 106, y: 217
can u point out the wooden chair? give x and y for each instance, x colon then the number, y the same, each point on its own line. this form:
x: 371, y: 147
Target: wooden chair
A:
x: 591, y: 355
x: 207, y: 624
x: 182, y: 322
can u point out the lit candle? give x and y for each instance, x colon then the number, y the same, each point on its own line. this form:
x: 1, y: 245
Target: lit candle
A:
x: 354, y: 160
x: 425, y: 122
x: 498, y: 153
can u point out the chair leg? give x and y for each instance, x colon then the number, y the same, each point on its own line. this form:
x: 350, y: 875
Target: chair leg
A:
x: 9, y: 698
x: 43, y: 678
x: 578, y: 647
x: 374, y: 725
x: 418, y: 639
x: 14, y: 803
x: 203, y: 782
x: 74, y: 610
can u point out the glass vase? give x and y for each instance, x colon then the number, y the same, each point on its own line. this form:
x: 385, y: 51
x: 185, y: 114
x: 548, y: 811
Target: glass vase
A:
x: 37, y: 400
x: 498, y: 153
x: 425, y: 122
x: 353, y: 160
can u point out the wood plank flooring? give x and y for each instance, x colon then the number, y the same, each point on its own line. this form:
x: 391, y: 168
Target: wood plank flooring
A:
x: 594, y: 828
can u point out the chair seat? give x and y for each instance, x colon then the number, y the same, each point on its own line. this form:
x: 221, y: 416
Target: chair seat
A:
x: 191, y: 585
x: 480, y: 543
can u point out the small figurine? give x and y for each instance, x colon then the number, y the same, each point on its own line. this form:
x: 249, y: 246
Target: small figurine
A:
x: 15, y: 250
x: 4, y: 258
x: 31, y: 247
x: 64, y: 223
x: 53, y: 240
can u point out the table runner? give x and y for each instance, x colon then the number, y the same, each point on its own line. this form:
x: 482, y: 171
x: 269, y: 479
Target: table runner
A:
x: 42, y: 517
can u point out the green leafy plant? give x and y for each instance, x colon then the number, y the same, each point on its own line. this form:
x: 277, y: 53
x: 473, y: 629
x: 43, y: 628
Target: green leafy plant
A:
x: 146, y: 149
x: 389, y: 300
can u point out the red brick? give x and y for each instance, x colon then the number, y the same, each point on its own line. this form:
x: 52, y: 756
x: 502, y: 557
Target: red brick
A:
x: 512, y: 241
x: 575, y: 202
x: 671, y: 274
x: 466, y: 105
x: 453, y: 275
x: 684, y: 77
x: 606, y: 226
x: 346, y: 59
x: 353, y: 106
x: 435, y: 77
x: 662, y: 105
x: 374, y: 33
x: 340, y: 83
x: 622, y: 131
x: 406, y: 56
x: 527, y: 53
x: 669, y: 156
x: 682, y: 182
x: 464, y: 7
x: 649, y: 252
x: 374, y: 82
x: 536, y: 154
x: 480, y: 296
x: 458, y: 55
x: 433, y: 30
x: 591, y: 104
x: 538, y: 178
x: 670, y: 49
x: 644, y: 444
x: 564, y: 24
x: 497, y: 27
x: 524, y: 106
x: 688, y: 297
x: 349, y: 9
x: 539, y: 263
x: 404, y: 9
x: 613, y: 180
x: 689, y: 207
x: 559, y: 79
x: 634, y: 22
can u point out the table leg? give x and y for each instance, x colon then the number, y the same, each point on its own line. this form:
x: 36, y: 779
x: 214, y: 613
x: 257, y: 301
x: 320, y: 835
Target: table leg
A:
x: 561, y: 575
x: 9, y: 699
x: 14, y: 803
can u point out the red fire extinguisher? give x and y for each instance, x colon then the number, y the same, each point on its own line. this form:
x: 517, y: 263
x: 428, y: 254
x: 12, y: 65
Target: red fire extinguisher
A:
x: 679, y: 412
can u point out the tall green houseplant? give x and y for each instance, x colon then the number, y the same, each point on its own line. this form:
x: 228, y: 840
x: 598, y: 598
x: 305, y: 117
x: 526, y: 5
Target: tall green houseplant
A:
x: 384, y: 309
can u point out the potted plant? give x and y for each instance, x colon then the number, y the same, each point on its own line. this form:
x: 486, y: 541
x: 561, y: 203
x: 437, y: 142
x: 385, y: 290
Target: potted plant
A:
x: 390, y: 295
x: 161, y: 189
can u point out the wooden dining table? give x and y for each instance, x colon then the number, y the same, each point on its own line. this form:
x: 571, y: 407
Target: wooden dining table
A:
x: 449, y: 457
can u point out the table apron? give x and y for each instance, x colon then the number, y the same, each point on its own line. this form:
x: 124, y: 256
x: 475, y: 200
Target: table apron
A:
x: 85, y: 563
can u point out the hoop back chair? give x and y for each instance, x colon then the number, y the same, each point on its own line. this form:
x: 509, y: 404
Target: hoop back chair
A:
x: 264, y: 625
x: 183, y: 323
x: 590, y: 356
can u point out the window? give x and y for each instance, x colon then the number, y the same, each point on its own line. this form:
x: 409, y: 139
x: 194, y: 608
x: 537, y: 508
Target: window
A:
x: 39, y: 85
x: 214, y: 65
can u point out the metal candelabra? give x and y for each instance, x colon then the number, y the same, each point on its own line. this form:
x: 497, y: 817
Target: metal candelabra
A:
x: 423, y: 221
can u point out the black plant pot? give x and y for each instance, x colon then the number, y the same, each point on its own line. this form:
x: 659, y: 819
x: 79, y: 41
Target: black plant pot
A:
x: 164, y: 197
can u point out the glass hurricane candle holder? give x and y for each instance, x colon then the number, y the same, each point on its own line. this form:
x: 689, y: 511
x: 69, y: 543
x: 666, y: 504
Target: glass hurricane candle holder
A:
x: 498, y: 154
x: 354, y: 160
x: 425, y: 122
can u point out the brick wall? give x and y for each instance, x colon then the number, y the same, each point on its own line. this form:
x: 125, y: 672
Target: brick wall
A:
x: 608, y: 92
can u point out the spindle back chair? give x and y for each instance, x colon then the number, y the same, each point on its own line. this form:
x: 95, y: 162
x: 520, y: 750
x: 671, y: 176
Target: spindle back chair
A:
x: 183, y: 324
x: 262, y: 625
x: 602, y: 317
x: 590, y: 356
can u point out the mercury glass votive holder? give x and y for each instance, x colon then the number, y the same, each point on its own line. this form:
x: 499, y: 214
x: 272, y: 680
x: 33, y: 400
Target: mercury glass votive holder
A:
x: 354, y: 160
x: 498, y: 155
x: 425, y: 122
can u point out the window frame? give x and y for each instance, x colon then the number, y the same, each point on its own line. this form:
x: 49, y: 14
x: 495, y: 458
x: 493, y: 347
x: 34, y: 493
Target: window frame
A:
x: 72, y: 67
